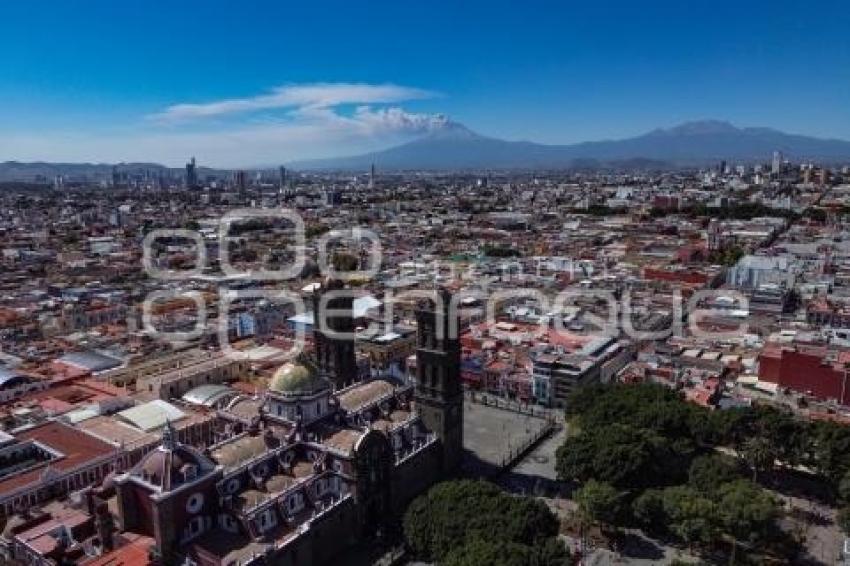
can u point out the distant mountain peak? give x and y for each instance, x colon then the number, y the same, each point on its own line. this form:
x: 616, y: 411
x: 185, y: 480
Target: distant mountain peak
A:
x: 445, y: 128
x: 449, y: 145
x: 763, y: 131
x: 698, y: 128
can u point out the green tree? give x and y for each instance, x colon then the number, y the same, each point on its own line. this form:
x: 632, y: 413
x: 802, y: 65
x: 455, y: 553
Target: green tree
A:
x: 503, y: 553
x: 645, y: 406
x: 785, y: 433
x: 600, y: 502
x: 493, y: 552
x: 691, y: 517
x: 452, y: 514
x: 709, y: 472
x: 648, y: 510
x: 759, y: 453
x: 623, y: 456
x: 747, y: 512
x: 729, y: 427
x: 551, y: 552
x: 681, y: 511
x: 831, y: 449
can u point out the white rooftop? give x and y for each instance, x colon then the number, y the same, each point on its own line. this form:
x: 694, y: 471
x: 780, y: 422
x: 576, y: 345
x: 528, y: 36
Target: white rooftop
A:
x: 152, y: 415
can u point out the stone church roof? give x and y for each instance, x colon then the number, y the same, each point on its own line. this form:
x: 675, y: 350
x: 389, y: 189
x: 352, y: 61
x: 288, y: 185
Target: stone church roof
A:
x: 172, y: 464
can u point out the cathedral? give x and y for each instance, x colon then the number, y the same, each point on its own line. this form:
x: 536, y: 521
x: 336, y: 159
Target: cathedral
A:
x: 312, y: 465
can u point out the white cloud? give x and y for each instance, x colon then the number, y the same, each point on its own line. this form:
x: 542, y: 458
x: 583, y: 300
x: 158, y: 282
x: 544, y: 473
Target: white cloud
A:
x: 316, y: 95
x: 397, y: 119
x: 316, y: 123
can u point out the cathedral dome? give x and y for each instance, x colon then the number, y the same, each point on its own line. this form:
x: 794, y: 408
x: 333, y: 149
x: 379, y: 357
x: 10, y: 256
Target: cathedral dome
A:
x: 171, y: 464
x: 297, y: 379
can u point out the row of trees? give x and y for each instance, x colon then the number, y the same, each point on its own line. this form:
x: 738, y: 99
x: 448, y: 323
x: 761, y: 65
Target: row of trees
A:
x: 646, y: 458
x: 761, y: 436
x: 469, y: 523
x: 701, y: 512
x: 698, y: 514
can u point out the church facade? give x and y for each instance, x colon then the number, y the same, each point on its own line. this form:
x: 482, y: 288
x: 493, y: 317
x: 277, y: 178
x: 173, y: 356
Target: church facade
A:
x: 311, y: 466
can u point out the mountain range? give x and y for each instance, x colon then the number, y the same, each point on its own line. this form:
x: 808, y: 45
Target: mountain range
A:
x: 453, y: 146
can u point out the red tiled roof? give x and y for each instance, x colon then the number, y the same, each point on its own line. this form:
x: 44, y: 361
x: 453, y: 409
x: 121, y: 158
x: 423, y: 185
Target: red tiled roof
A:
x: 77, y: 447
x: 134, y: 553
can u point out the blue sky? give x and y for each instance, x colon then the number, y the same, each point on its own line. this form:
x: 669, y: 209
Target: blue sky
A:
x: 112, y: 80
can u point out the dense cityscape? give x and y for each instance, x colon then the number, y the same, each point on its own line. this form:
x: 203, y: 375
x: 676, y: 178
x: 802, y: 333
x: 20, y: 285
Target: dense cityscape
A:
x: 658, y: 357
x: 383, y: 283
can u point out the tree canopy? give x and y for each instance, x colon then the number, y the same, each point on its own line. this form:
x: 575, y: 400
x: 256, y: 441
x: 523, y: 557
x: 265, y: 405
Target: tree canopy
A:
x: 646, y: 456
x: 762, y: 436
x: 710, y: 471
x: 747, y: 512
x: 600, y: 502
x: 465, y: 522
x: 622, y: 456
x: 739, y: 509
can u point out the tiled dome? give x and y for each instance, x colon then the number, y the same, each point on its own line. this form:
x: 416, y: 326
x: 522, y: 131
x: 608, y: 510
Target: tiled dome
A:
x: 297, y: 379
x: 172, y: 464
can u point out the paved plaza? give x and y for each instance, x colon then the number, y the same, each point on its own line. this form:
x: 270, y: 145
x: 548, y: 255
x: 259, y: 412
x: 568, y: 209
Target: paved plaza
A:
x: 492, y: 436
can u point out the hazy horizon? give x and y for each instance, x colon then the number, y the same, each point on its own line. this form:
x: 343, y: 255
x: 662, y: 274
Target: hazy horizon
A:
x: 269, y: 83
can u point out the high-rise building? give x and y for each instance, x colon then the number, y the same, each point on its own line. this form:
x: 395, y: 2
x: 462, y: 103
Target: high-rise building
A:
x: 333, y: 197
x: 191, y: 174
x: 777, y: 163
x: 282, y: 178
x: 372, y: 177
x: 240, y: 181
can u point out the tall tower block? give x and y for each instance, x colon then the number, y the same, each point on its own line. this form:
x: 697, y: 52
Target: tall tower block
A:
x: 334, y: 354
x: 439, y: 394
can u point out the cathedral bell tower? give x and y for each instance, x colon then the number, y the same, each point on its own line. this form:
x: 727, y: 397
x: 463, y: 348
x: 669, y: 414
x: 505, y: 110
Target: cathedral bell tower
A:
x: 334, y: 354
x: 439, y: 395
